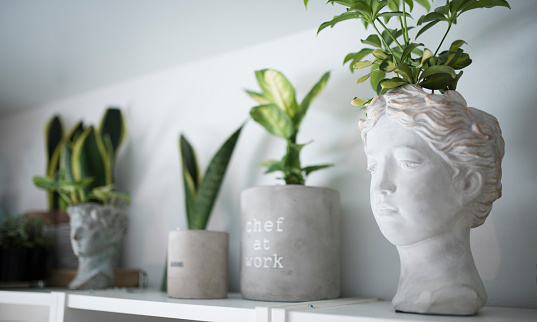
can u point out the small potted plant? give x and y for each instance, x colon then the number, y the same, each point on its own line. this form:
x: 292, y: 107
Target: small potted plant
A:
x: 435, y: 163
x: 197, y: 264
x: 84, y: 182
x: 290, y: 234
x: 24, y: 249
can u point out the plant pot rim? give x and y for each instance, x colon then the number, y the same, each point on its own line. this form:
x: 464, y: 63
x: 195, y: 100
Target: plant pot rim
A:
x: 199, y: 231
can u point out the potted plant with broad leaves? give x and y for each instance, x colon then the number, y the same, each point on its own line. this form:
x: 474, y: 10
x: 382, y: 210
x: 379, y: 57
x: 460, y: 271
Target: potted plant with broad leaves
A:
x: 197, y: 264
x: 290, y: 234
x: 435, y: 162
x: 84, y: 182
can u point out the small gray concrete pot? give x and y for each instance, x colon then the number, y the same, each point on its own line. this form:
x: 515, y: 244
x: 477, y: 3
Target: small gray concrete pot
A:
x: 290, y: 243
x: 198, y: 264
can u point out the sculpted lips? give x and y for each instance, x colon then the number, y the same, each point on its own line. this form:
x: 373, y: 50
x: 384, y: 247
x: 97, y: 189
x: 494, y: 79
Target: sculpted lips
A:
x: 382, y: 209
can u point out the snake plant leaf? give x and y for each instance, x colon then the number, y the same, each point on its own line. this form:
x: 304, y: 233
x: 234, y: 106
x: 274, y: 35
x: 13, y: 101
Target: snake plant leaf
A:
x: 66, y: 168
x: 258, y: 97
x: 191, y: 174
x: 273, y: 119
x: 112, y: 124
x: 309, y: 169
x: 278, y: 90
x: 75, y: 132
x: 470, y: 5
x: 212, y: 180
x: 306, y: 102
x: 53, y: 139
x: 89, y: 159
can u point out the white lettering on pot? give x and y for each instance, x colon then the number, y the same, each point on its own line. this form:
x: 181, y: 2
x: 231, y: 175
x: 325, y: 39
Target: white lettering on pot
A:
x: 259, y: 244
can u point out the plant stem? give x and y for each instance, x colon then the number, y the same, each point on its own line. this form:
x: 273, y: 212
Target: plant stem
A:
x: 405, y: 29
x: 394, y: 39
x: 382, y: 39
x: 444, y: 38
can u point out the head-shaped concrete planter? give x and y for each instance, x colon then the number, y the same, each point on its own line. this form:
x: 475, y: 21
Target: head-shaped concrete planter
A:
x: 435, y: 171
x: 96, y: 235
x: 198, y: 264
x: 290, y: 243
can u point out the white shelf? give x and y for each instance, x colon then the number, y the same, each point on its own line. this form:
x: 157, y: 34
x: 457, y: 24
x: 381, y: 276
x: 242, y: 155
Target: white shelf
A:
x: 156, y: 304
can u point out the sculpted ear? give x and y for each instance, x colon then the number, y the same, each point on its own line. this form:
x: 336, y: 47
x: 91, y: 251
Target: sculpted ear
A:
x: 473, y: 185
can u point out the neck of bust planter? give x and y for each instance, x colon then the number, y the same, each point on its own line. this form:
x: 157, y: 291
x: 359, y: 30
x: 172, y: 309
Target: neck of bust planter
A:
x: 101, y: 262
x: 439, y: 256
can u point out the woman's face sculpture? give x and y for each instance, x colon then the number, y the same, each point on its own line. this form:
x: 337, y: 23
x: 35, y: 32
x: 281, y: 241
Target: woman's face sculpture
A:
x: 414, y: 195
x: 87, y: 236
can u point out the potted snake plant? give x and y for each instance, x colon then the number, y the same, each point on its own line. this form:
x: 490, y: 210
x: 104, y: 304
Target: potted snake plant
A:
x: 290, y: 233
x: 84, y: 181
x: 435, y: 163
x: 197, y: 263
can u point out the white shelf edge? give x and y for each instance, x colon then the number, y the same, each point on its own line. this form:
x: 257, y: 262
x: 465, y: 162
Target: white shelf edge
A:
x: 26, y: 298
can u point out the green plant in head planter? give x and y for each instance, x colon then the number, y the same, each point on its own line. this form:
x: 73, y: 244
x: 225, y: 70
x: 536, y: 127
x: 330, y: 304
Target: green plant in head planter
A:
x: 281, y: 115
x: 81, y: 165
x: 395, y: 58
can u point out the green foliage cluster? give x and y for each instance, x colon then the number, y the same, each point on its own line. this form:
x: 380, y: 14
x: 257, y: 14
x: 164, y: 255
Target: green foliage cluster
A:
x: 397, y: 59
x: 80, y: 164
x: 201, y: 190
x: 281, y: 115
x: 23, y: 232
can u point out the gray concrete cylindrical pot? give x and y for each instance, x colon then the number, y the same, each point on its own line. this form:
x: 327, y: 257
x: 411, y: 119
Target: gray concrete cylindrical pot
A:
x: 290, y: 243
x: 198, y: 264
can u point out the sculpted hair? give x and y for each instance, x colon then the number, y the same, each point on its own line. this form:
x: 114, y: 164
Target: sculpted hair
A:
x: 465, y: 137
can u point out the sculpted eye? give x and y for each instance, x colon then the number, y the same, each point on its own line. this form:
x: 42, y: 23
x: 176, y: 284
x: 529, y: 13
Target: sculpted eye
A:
x: 371, y: 168
x: 410, y: 164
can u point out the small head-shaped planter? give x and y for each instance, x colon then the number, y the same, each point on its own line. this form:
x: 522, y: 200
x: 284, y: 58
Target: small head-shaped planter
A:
x: 435, y: 171
x: 96, y: 233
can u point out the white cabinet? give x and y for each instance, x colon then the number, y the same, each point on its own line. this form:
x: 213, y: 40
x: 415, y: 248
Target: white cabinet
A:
x: 147, y: 305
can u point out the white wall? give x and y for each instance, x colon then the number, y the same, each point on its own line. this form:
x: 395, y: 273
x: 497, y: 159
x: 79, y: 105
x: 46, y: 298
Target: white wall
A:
x: 205, y: 100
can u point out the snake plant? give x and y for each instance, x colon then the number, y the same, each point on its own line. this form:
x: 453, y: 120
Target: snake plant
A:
x: 201, y: 191
x: 85, y: 162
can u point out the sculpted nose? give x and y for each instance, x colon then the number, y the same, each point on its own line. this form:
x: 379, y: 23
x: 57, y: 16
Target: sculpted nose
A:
x: 384, y: 183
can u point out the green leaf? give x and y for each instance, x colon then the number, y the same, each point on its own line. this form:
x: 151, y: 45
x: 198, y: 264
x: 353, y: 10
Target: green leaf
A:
x: 437, y: 81
x: 394, y: 5
x: 387, y: 65
x: 362, y: 64
x: 363, y: 78
x: 273, y: 119
x: 75, y: 132
x: 362, y: 7
x: 372, y: 40
x: 454, y: 6
x: 425, y: 3
x: 380, y: 54
x: 392, y: 83
x: 66, y: 169
x: 342, y: 17
x: 456, y: 45
x: 306, y: 3
x: 427, y: 54
x: 461, y: 62
x: 394, y: 14
x: 89, y: 159
x: 376, y: 6
x: 356, y: 57
x: 438, y: 69
x: 432, y: 16
x: 53, y: 136
x: 312, y: 94
x: 409, y: 49
x: 405, y: 71
x: 212, y: 180
x: 274, y: 166
x: 484, y: 4
x: 309, y: 169
x: 189, y: 163
x: 427, y: 27
x: 278, y: 90
x: 258, y: 97
x: 376, y: 77
x: 358, y: 102
x: 410, y: 3
x: 112, y: 125
x: 444, y: 10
